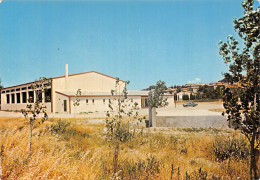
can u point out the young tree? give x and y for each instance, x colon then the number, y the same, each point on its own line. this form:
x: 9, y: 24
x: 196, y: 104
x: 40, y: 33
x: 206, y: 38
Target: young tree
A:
x: 36, y: 107
x: 117, y: 130
x: 76, y: 102
x: 241, y: 99
x: 156, y: 100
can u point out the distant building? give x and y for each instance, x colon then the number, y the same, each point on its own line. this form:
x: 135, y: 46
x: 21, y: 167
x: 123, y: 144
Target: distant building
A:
x: 95, y: 87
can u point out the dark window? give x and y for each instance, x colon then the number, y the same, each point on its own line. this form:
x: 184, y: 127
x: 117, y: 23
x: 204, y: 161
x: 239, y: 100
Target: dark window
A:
x: 3, y: 92
x: 12, y: 97
x: 86, y: 100
x: 24, y: 88
x: 48, y: 95
x: 18, y: 96
x: 31, y: 97
x: 18, y: 89
x: 7, y: 91
x: 8, y: 98
x: 12, y: 90
x: 30, y: 87
x: 93, y: 100
x: 65, y: 105
x: 39, y: 95
x: 24, y: 97
x: 104, y: 100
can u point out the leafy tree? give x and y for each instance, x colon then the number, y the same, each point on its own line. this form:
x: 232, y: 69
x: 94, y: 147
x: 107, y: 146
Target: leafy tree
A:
x: 156, y: 99
x: 76, y: 102
x: 241, y: 99
x: 34, y: 109
x: 117, y: 130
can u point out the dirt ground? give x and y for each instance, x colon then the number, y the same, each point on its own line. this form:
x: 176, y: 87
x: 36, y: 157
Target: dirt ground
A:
x: 203, y: 109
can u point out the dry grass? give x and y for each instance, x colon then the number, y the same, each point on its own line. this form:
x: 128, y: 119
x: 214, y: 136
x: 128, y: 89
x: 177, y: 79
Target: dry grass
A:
x: 82, y: 152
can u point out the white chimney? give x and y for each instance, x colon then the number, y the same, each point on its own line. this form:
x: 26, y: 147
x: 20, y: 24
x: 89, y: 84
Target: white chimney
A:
x: 66, y: 71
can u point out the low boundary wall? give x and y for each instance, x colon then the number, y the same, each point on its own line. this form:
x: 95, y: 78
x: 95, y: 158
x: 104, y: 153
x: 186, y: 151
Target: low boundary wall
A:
x: 192, y: 121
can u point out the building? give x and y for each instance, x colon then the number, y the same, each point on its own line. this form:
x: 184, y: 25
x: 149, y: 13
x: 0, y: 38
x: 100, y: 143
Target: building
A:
x: 61, y: 94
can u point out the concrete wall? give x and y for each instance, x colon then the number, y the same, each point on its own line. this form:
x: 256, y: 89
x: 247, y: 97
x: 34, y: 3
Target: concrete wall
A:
x: 192, y: 121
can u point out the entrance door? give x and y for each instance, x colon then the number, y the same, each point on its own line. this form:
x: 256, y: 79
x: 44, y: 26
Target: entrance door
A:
x: 65, y: 105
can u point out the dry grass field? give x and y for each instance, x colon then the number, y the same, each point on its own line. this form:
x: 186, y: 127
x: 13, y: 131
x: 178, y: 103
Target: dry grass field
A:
x: 72, y: 149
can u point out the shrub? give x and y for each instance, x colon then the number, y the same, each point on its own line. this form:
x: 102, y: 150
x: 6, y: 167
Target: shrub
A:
x: 225, y: 148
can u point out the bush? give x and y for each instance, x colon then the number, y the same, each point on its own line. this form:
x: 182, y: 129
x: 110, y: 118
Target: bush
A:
x: 140, y: 169
x: 60, y: 127
x: 226, y: 148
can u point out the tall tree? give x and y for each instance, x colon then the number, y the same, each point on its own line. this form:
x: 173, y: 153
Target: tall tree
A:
x: 241, y: 98
x: 156, y: 100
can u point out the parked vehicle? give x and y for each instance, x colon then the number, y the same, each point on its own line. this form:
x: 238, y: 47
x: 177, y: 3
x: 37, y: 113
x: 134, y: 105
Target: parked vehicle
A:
x: 193, y: 104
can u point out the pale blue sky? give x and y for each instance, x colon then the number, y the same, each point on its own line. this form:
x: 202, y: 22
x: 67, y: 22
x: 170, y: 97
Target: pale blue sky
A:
x: 141, y: 41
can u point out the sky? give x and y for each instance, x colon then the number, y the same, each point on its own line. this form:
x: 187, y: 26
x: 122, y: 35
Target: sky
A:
x: 142, y: 41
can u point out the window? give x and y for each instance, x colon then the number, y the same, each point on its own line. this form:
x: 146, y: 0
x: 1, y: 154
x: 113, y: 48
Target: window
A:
x: 93, y: 101
x: 39, y: 95
x: 48, y: 95
x: 24, y: 88
x: 18, y: 97
x: 8, y: 98
x: 24, y: 97
x: 3, y: 92
x: 12, y: 90
x: 18, y: 89
x: 12, y: 98
x: 144, y: 102
x: 87, y: 101
x: 7, y: 91
x: 31, y: 97
x: 30, y: 87
x: 104, y: 100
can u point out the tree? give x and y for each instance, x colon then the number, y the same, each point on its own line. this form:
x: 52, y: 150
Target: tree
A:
x: 34, y: 109
x: 156, y: 100
x: 241, y: 98
x: 76, y: 102
x: 117, y: 130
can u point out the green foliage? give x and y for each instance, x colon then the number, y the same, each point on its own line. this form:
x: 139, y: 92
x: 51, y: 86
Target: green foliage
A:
x: 34, y: 109
x: 76, y: 102
x: 155, y: 98
x: 117, y: 130
x: 141, y: 169
x: 230, y: 148
x: 60, y: 127
x: 242, y: 102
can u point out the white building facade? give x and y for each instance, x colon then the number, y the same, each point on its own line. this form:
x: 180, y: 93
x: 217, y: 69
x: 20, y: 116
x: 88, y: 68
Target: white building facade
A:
x: 60, y: 95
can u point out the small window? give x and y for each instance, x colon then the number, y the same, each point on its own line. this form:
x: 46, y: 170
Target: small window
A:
x: 18, y: 89
x: 47, y: 95
x: 24, y: 88
x: 8, y: 98
x: 87, y: 101
x: 18, y: 98
x: 104, y: 100
x: 24, y: 97
x: 31, y: 97
x: 7, y: 91
x: 12, y: 98
x: 3, y: 92
x: 93, y: 100
x: 12, y: 90
x: 30, y: 87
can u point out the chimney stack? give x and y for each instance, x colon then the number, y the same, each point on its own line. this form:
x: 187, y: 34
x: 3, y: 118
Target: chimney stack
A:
x: 66, y: 71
